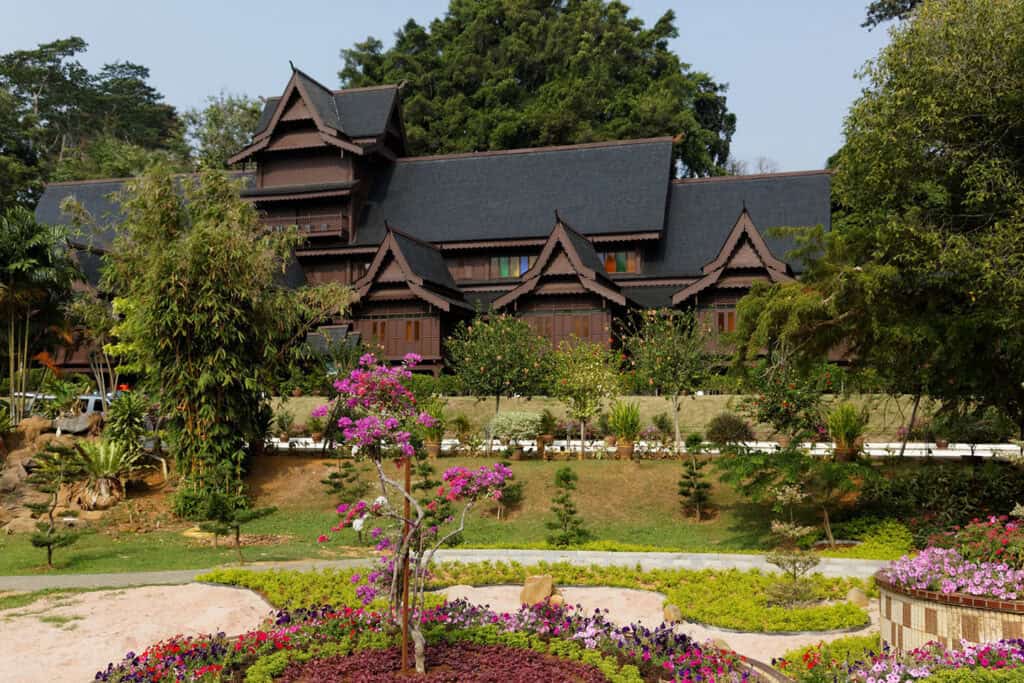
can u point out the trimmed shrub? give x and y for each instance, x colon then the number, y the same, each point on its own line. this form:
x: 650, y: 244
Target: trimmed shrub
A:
x: 729, y: 428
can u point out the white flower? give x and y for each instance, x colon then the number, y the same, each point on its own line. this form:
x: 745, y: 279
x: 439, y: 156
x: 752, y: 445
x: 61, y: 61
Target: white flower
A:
x: 357, y: 524
x: 380, y: 501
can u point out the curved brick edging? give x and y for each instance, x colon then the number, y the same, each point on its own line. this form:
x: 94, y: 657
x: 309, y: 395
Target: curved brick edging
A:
x: 910, y: 617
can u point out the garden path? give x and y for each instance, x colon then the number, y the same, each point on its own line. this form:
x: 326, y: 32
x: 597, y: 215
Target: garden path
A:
x: 829, y: 566
x: 70, y: 637
x: 627, y: 606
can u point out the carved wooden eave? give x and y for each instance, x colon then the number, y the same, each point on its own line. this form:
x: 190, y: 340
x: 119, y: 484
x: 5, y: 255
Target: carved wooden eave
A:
x: 298, y: 86
x: 744, y: 250
x: 561, y: 258
x: 392, y: 267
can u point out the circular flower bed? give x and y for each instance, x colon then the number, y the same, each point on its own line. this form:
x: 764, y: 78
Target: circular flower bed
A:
x: 332, y: 638
x: 857, y: 659
x: 456, y: 663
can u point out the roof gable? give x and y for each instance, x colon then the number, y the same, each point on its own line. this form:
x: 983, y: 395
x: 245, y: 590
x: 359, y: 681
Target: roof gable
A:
x: 566, y: 253
x: 418, y: 265
x: 744, y: 250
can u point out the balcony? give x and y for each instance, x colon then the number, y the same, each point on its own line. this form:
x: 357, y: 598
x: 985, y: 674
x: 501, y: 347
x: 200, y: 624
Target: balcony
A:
x: 309, y: 225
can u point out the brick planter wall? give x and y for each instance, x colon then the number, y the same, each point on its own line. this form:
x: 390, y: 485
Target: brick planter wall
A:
x: 911, y: 618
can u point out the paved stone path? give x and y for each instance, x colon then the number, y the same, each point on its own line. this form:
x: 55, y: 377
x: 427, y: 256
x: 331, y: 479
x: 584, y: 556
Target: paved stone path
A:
x: 829, y: 566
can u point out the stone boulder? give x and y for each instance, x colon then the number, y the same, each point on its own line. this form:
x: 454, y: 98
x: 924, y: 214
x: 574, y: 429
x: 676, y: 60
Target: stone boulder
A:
x: 537, y: 589
x: 857, y: 597
x: 672, y: 614
x: 12, y: 477
x: 31, y: 427
x: 78, y: 424
x: 21, y: 525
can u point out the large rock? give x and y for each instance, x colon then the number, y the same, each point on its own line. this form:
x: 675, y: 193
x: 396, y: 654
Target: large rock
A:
x: 31, y: 427
x: 857, y: 597
x: 78, y: 424
x: 51, y: 438
x: 21, y: 525
x: 12, y: 477
x: 537, y: 589
x: 673, y: 614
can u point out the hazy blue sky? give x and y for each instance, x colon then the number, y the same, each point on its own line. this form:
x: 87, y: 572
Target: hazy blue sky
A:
x: 789, y: 63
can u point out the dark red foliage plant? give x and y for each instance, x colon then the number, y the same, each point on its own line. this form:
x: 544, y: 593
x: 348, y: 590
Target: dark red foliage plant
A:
x: 455, y: 663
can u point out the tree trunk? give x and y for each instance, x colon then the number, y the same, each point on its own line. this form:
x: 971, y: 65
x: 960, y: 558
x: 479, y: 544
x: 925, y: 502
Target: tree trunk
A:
x: 238, y: 543
x: 675, y: 423
x: 583, y: 433
x: 490, y: 435
x: 828, y: 528
x: 910, y: 425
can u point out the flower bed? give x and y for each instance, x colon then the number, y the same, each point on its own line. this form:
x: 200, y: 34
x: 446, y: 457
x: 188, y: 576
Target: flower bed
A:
x: 630, y: 654
x: 967, y: 586
x: 728, y: 599
x: 858, y: 659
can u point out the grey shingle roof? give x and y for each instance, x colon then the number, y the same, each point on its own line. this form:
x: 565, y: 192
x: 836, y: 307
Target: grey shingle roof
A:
x: 365, y: 112
x: 701, y: 213
x: 358, y: 113
x: 585, y: 249
x: 601, y: 188
x: 95, y: 197
x: 425, y: 261
x: 652, y: 297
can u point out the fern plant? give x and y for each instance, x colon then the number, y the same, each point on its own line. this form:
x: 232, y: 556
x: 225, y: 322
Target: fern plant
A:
x: 104, y: 466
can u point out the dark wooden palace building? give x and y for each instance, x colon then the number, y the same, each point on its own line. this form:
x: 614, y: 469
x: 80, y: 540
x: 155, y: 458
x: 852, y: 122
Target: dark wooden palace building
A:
x: 567, y: 237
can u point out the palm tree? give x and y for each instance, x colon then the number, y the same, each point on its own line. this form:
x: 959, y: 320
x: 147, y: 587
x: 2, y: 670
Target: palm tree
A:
x: 36, y: 271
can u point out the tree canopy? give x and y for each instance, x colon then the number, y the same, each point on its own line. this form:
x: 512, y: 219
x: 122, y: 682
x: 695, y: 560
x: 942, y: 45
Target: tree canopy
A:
x: 881, y: 11
x: 502, y: 74
x: 222, y: 127
x: 54, y: 112
x: 921, y: 276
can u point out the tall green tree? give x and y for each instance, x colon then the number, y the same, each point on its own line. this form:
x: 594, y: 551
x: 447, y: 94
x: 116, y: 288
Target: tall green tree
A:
x: 501, y: 74
x: 206, y: 346
x: 881, y: 11
x: 922, y: 276
x: 221, y: 128
x: 56, y: 108
x: 670, y: 351
x: 35, y: 278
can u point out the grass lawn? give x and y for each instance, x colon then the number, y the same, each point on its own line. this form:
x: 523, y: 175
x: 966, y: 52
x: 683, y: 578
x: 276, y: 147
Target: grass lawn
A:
x: 625, y: 504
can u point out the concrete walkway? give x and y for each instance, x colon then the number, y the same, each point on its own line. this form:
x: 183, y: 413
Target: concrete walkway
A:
x: 829, y: 566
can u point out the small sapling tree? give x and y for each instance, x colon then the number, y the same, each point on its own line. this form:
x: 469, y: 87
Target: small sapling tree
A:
x: 585, y: 376
x: 693, y: 489
x: 567, y: 528
x: 227, y: 519
x: 55, y: 467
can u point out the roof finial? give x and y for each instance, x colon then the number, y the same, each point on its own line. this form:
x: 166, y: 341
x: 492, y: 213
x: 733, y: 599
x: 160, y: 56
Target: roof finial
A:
x: 558, y: 219
x: 387, y: 226
x: 744, y: 205
x: 292, y: 65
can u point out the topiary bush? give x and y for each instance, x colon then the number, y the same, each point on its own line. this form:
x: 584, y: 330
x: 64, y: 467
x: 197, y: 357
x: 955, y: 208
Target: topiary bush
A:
x: 729, y: 428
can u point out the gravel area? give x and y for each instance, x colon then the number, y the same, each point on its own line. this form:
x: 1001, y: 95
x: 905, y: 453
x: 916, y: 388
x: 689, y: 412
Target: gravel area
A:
x: 70, y: 637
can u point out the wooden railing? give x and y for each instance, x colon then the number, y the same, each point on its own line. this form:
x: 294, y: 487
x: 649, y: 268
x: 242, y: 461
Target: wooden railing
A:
x: 310, y: 225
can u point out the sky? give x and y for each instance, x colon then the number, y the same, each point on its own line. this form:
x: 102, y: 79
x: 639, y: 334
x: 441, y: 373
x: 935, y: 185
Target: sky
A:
x: 790, y: 64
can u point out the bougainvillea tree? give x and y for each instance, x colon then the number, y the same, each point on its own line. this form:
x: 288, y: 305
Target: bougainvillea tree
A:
x: 377, y: 416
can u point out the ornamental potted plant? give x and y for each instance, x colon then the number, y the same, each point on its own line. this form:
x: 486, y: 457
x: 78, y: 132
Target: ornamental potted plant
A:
x: 846, y: 425
x: 315, y: 425
x: 624, y: 422
x: 284, y: 420
x: 515, y: 427
x: 548, y: 428
x: 433, y: 434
